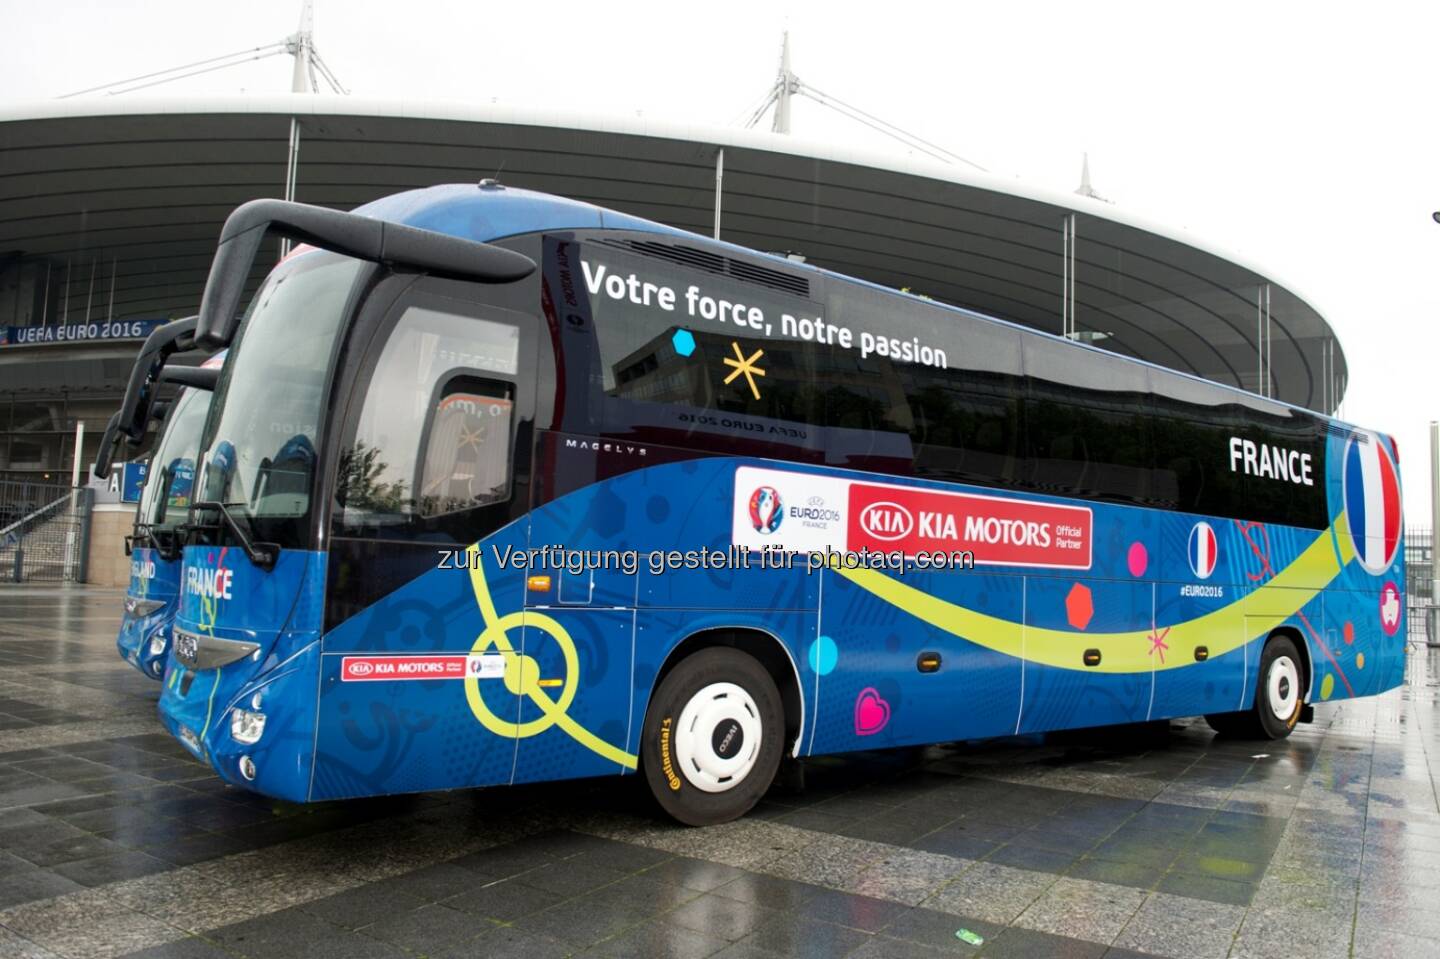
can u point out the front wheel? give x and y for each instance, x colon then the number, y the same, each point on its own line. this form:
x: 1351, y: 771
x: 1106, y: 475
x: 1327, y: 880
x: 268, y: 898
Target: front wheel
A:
x: 1279, y: 697
x: 713, y: 736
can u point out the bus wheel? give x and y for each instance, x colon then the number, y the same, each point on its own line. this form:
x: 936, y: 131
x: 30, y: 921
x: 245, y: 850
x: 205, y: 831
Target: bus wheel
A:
x: 1279, y: 698
x: 713, y: 736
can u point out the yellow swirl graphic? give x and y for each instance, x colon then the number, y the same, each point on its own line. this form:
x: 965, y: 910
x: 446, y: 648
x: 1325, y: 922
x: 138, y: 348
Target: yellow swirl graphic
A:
x: 1129, y: 652
x: 522, y: 673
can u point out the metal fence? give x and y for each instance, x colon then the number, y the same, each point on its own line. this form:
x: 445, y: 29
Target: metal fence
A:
x: 1419, y: 581
x: 44, y: 532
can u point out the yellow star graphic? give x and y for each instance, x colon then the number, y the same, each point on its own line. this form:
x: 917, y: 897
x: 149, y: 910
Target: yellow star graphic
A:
x: 746, y: 366
x: 469, y: 438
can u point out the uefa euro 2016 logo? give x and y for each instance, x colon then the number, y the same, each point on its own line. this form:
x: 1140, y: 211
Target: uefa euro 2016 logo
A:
x: 766, y: 510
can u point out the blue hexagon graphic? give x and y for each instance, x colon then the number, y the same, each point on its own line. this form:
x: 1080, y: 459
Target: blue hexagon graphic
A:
x: 684, y: 342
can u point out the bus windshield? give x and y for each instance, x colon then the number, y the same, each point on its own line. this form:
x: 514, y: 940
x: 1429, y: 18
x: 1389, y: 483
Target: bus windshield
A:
x: 172, y: 468
x: 263, y: 431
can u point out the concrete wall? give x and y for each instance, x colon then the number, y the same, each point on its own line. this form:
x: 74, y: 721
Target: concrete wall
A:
x: 109, y: 525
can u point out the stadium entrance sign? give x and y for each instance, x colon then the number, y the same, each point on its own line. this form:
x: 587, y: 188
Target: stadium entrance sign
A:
x: 74, y: 332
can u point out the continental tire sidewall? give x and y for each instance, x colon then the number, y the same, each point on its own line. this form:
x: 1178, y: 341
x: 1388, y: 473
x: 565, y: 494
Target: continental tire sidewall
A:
x: 1274, y: 727
x: 676, y: 794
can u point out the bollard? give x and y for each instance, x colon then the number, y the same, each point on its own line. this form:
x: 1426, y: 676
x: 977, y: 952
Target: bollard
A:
x: 19, y: 563
x: 1432, y: 623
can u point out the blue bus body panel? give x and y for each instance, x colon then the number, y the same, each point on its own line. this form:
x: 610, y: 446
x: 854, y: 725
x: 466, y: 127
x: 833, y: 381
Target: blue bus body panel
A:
x: 224, y: 595
x: 566, y: 693
x: 152, y: 579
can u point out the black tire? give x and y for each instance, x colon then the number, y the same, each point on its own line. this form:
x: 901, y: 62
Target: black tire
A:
x: 682, y: 766
x: 1279, y: 696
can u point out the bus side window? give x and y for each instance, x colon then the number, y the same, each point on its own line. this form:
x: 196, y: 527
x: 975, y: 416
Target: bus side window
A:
x: 1192, y: 425
x: 433, y: 441
x: 1087, y: 423
x: 466, y: 461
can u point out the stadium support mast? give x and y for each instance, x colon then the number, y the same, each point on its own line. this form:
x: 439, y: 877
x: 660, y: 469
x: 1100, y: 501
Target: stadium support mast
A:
x: 785, y: 85
x: 310, y: 66
x: 301, y: 46
x: 788, y: 85
x: 1085, y: 189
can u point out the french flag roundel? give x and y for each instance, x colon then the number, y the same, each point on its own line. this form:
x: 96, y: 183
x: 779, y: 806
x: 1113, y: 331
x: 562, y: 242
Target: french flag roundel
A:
x: 1372, y: 502
x: 1202, y: 550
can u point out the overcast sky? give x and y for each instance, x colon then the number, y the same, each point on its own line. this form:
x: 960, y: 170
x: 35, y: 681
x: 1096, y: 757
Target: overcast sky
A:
x: 1304, y: 136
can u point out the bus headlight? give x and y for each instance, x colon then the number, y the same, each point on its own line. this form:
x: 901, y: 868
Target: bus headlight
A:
x: 246, y: 726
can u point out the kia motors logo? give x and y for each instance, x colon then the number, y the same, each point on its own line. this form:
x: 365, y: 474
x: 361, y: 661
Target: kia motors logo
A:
x: 361, y: 669
x: 887, y: 521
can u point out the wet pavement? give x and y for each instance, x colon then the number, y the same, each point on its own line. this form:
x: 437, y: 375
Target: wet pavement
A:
x: 1162, y: 842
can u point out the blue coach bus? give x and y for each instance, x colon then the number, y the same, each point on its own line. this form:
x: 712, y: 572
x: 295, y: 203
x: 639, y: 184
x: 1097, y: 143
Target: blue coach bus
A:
x: 498, y: 487
x: 154, y: 543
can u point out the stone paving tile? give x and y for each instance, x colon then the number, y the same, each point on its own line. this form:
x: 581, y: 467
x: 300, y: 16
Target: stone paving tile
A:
x: 86, y: 925
x: 769, y: 890
x: 1168, y: 925
x: 1388, y: 944
x: 192, y: 947
x: 15, y: 946
x: 730, y: 919
x: 1083, y: 909
x: 991, y: 892
x: 937, y: 930
x: 1270, y: 932
x: 694, y: 874
x: 799, y: 936
x: 425, y: 930
x: 1018, y: 942
x: 658, y: 938
x: 908, y: 876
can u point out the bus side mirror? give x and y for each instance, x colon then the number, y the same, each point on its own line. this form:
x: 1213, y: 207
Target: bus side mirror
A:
x: 349, y: 234
x: 105, y: 455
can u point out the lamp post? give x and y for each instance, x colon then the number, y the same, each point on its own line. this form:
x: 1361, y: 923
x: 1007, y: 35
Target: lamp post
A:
x: 1432, y: 626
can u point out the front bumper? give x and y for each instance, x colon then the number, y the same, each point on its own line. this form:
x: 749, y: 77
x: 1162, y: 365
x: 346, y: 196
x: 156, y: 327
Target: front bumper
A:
x: 196, y: 706
x: 144, y: 640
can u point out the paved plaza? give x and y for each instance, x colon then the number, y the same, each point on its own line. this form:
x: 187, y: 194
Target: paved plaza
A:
x: 114, y: 842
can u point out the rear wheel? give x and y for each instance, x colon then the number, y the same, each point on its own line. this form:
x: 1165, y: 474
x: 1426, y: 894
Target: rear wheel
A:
x: 1279, y: 697
x: 713, y: 737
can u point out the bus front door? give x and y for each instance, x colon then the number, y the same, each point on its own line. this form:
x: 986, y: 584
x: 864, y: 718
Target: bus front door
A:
x: 424, y: 599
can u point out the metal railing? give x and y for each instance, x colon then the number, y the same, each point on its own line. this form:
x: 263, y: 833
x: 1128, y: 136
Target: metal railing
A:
x: 1419, y: 584
x: 44, y: 532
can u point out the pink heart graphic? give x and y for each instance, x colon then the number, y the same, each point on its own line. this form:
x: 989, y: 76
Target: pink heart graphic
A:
x: 871, y: 712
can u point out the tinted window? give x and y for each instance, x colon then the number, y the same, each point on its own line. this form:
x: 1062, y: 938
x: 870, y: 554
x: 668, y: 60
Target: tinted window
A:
x: 1201, y: 432
x: 173, y: 464
x: 1087, y: 423
x: 433, y: 440
x: 869, y: 379
x: 961, y: 414
x: 1193, y: 424
x: 713, y: 363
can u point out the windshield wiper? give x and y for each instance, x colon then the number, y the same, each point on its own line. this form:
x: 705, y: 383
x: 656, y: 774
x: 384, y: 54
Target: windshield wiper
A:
x: 263, y: 555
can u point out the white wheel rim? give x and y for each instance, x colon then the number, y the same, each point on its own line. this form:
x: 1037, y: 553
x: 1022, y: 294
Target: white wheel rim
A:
x: 717, y: 739
x: 1284, y: 685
